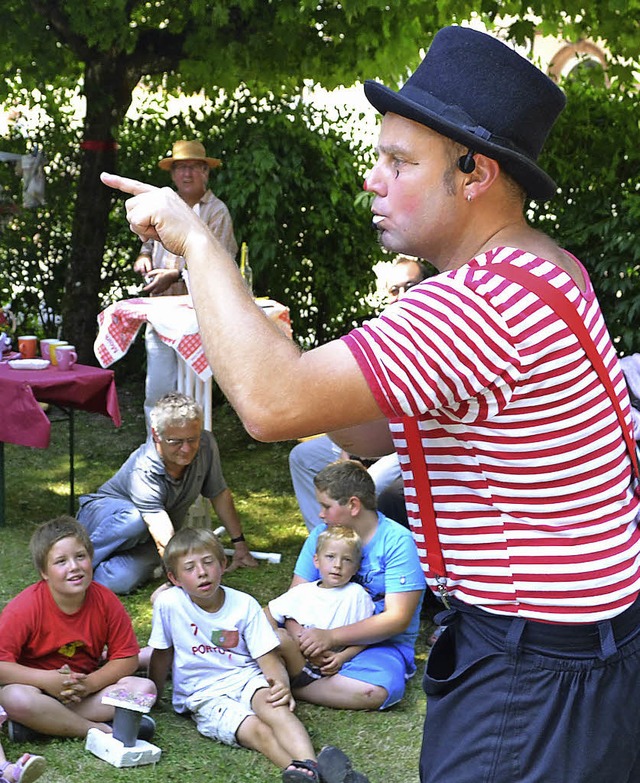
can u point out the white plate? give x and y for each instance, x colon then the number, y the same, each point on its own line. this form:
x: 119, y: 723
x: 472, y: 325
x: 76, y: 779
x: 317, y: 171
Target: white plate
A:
x: 29, y: 364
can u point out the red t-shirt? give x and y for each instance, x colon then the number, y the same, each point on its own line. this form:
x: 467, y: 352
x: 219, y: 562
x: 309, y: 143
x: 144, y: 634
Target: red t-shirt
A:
x: 35, y: 632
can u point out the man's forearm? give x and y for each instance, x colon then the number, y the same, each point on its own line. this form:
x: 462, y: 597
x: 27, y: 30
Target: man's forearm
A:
x: 251, y: 341
x: 279, y: 392
x: 226, y: 511
x: 160, y: 529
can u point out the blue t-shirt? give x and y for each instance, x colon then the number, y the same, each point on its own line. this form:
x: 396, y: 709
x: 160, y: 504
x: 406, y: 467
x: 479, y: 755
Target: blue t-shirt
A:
x: 389, y: 564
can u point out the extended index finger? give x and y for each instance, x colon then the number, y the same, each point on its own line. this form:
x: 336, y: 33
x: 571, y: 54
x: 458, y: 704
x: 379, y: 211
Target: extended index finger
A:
x: 126, y: 185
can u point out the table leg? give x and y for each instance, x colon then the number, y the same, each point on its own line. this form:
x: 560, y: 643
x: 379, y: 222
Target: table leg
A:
x: 188, y: 382
x: 1, y: 483
x: 72, y: 493
x: 68, y: 416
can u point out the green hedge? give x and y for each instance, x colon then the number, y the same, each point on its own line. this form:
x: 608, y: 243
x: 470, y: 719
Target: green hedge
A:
x: 291, y: 179
x: 593, y: 153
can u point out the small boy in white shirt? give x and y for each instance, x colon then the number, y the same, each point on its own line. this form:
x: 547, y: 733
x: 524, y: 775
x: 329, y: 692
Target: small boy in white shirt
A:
x: 330, y: 602
x: 226, y: 669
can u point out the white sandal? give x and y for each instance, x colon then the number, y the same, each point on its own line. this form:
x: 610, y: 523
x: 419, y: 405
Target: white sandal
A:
x: 25, y: 772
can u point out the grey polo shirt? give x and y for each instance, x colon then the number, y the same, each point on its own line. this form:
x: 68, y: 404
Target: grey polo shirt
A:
x: 143, y: 481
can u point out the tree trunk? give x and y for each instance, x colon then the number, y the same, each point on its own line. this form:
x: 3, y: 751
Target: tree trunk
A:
x: 108, y: 87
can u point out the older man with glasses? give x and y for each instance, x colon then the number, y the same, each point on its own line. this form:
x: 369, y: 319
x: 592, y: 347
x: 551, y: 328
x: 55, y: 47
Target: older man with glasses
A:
x: 133, y: 515
x: 405, y: 273
x: 163, y: 271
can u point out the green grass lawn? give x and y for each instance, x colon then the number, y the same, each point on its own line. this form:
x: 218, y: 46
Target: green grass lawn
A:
x: 383, y: 745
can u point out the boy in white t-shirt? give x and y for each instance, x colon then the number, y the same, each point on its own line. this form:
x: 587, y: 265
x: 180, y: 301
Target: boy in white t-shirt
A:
x: 225, y: 666
x: 329, y: 602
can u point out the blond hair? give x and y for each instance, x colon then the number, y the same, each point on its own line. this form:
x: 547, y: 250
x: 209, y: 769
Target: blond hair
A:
x: 340, y: 533
x: 188, y: 540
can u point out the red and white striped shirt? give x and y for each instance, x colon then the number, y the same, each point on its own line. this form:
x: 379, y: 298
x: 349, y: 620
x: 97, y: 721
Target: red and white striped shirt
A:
x: 530, y: 476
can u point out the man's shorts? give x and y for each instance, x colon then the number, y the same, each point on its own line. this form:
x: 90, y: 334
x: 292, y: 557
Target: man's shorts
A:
x: 388, y: 666
x: 220, y: 717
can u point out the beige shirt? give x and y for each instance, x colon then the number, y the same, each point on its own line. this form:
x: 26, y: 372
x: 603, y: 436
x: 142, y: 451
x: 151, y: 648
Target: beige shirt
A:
x: 215, y: 214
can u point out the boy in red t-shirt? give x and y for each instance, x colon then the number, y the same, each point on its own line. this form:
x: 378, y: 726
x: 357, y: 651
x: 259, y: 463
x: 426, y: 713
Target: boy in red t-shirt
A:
x: 52, y: 638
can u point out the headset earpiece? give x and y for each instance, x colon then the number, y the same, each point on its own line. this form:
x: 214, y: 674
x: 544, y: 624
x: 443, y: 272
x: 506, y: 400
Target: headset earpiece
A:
x: 466, y: 163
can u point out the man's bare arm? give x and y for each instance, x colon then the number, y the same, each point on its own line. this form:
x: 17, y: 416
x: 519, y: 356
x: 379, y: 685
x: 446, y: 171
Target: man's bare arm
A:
x: 160, y: 529
x: 278, y: 391
x: 369, y: 440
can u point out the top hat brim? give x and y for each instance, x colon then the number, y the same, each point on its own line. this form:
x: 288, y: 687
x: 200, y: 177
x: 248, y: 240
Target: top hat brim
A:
x: 167, y: 163
x: 537, y: 183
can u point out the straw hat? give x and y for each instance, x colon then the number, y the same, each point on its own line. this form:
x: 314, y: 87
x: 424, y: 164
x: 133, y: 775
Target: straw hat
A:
x: 472, y: 88
x: 188, y: 150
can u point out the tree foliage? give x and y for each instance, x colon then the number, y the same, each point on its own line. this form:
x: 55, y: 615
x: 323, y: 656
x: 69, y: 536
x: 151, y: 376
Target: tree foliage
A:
x: 106, y: 48
x: 290, y: 180
x: 593, y: 153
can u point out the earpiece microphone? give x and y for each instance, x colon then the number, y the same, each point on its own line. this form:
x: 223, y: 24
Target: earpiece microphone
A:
x: 466, y: 163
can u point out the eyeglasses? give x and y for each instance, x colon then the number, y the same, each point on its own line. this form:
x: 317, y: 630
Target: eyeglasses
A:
x: 396, y: 290
x: 181, y: 441
x: 188, y: 167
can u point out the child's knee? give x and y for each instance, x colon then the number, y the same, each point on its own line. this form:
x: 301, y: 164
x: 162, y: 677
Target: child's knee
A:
x: 370, y: 697
x: 137, y: 685
x: 19, y: 700
x: 254, y: 733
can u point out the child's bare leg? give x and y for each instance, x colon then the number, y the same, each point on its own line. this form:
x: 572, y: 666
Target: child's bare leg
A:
x: 289, y: 651
x: 44, y: 714
x: 287, y: 730
x: 343, y: 693
x: 254, y: 734
x: 144, y: 658
x: 92, y: 707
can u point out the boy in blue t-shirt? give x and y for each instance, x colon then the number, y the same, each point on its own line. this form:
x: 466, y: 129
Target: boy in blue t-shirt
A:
x: 390, y: 572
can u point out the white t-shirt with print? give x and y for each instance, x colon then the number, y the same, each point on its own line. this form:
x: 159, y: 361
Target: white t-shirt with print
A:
x: 214, y: 652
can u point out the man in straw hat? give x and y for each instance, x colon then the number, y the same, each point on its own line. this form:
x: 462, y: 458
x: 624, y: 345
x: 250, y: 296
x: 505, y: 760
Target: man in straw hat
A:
x: 163, y: 271
x: 483, y: 387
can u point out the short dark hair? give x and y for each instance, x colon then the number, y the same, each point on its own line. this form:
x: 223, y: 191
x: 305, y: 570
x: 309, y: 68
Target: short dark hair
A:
x: 422, y: 267
x: 346, y: 479
x: 47, y: 535
x: 191, y: 539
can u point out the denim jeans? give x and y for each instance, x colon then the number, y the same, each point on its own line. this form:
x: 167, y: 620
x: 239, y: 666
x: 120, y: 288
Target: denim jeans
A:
x: 124, y: 554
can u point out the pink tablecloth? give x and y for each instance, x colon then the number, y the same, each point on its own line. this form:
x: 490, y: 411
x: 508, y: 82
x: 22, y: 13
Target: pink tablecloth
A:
x: 22, y: 420
x: 174, y: 319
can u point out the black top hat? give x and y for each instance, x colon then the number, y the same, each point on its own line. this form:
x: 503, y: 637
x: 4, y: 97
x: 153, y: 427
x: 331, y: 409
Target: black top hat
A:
x: 475, y: 90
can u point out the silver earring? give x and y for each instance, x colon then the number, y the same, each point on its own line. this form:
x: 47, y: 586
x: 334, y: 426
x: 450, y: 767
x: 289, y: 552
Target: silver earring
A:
x: 469, y: 197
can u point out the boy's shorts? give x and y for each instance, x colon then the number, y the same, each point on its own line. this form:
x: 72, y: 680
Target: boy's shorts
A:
x: 385, y: 665
x: 219, y: 717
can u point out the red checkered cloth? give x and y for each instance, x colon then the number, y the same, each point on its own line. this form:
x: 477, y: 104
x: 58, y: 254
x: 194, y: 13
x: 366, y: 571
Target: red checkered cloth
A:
x: 277, y: 313
x: 174, y: 319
